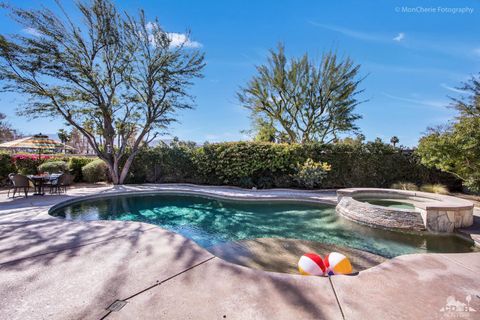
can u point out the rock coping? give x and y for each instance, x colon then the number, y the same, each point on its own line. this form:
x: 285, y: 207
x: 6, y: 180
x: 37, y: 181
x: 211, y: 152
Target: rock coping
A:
x: 432, y: 212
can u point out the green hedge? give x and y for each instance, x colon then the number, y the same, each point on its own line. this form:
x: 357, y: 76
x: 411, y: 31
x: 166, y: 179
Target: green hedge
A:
x: 248, y: 164
x: 6, y: 166
x: 264, y: 165
x: 27, y: 163
x: 95, y: 171
x: 55, y: 166
x: 31, y: 164
x: 75, y: 165
x: 267, y: 165
x: 165, y: 163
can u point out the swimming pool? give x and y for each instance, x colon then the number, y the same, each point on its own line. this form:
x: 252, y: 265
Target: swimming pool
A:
x: 210, y: 222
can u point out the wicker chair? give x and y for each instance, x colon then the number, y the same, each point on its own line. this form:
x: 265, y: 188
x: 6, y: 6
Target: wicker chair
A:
x: 61, y: 183
x: 18, y: 182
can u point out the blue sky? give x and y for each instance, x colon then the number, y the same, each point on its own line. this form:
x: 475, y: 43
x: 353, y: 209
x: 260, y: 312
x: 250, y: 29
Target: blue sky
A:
x: 414, y: 59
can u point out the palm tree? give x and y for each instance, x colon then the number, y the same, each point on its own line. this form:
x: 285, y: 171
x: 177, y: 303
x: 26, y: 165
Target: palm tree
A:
x: 394, y: 140
x: 64, y: 137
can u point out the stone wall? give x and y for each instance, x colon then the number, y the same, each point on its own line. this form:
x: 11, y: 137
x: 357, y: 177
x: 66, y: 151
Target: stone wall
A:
x: 433, y: 212
x: 378, y: 216
x: 446, y: 220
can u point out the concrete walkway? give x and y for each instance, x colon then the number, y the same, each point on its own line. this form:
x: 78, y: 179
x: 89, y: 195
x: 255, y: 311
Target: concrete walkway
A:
x: 56, y: 269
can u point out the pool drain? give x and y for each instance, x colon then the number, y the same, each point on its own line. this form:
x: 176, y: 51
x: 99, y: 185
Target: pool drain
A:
x: 117, y: 305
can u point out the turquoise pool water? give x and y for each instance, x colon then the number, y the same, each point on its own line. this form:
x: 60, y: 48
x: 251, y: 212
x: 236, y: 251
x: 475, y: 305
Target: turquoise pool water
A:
x: 210, y: 222
x: 387, y: 203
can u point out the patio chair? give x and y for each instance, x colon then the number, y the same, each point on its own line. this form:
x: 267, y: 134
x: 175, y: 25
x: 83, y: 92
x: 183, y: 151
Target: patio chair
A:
x: 61, y: 183
x: 18, y: 181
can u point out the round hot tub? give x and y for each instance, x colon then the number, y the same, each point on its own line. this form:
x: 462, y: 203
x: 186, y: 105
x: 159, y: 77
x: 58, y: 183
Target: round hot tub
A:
x: 405, y: 210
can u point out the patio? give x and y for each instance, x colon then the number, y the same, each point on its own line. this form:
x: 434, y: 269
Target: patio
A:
x: 49, y: 268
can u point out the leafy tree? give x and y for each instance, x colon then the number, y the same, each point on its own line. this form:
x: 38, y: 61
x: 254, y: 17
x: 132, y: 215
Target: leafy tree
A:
x: 302, y: 101
x: 79, y: 142
x: 394, y: 140
x: 120, y: 74
x: 357, y: 141
x: 7, y: 133
x: 63, y: 135
x: 455, y: 148
x: 265, y: 132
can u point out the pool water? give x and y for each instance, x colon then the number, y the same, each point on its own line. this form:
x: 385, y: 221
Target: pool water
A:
x: 387, y: 203
x: 211, y: 222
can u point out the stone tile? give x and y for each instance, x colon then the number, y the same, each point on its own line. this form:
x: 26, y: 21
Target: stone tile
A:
x: 469, y: 261
x: 39, y: 236
x: 219, y: 290
x: 80, y: 283
x: 407, y: 287
x: 91, y: 264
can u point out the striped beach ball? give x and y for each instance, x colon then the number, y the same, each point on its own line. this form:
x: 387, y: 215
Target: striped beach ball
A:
x: 311, y: 264
x: 337, y: 263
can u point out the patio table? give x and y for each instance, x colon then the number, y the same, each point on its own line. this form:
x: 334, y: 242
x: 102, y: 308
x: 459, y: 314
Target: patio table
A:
x: 39, y: 183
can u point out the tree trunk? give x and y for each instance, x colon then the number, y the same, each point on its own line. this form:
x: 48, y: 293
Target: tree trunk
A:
x: 113, y: 169
x: 118, y: 176
x: 126, y: 168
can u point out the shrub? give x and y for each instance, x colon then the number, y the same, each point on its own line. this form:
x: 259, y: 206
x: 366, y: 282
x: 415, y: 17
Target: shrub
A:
x: 165, y: 163
x: 95, y: 171
x: 6, y: 166
x: 434, y: 188
x: 311, y: 173
x: 472, y: 183
x: 237, y: 163
x: 267, y: 165
x: 404, y: 186
x: 28, y: 163
x: 75, y: 165
x: 53, y: 167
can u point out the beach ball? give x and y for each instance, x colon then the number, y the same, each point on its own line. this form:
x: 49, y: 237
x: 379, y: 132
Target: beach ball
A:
x: 311, y: 264
x: 337, y: 263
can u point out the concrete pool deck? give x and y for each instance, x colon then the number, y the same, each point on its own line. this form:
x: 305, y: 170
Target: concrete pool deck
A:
x: 56, y: 269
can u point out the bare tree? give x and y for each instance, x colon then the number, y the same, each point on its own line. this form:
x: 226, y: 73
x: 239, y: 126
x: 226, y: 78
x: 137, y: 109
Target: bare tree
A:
x: 121, y: 74
x: 7, y: 133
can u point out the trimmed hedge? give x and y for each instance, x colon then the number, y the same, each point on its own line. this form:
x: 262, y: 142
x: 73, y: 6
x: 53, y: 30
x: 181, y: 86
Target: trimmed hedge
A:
x: 29, y: 163
x: 165, y: 163
x: 95, y: 171
x: 267, y: 165
x: 75, y: 165
x: 261, y: 165
x: 56, y: 166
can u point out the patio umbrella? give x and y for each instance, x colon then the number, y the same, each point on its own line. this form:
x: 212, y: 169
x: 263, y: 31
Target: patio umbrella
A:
x: 37, y: 142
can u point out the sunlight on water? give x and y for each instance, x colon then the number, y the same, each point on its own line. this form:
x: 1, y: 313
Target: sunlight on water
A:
x: 210, y: 222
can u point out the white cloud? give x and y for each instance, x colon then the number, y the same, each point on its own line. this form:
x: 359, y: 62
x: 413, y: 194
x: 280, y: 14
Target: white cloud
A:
x: 149, y: 26
x: 349, y: 32
x: 423, y: 102
x: 452, y: 47
x: 178, y: 39
x: 449, y: 88
x: 422, y: 71
x: 32, y: 31
x: 399, y: 37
